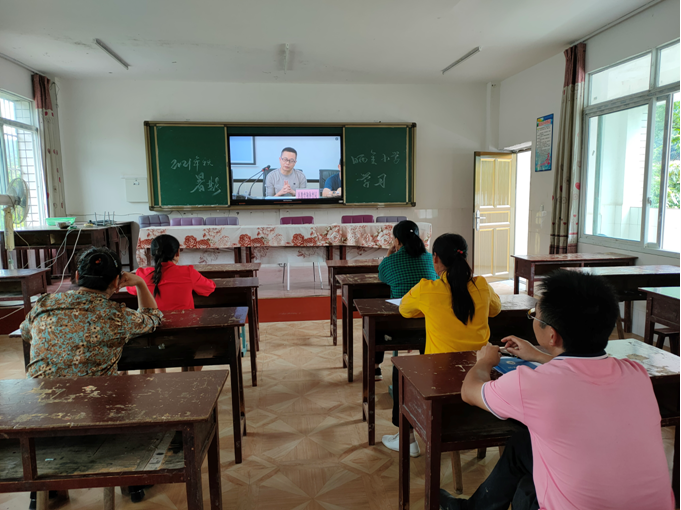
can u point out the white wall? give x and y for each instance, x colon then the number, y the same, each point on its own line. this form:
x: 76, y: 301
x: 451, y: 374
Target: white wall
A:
x: 537, y: 91
x: 525, y: 97
x: 103, y: 140
x: 15, y: 79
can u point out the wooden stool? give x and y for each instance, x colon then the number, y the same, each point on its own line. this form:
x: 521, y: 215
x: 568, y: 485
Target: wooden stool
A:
x: 672, y: 334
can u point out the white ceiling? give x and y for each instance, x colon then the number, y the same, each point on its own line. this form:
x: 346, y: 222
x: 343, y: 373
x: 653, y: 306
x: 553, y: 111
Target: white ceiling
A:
x: 331, y: 41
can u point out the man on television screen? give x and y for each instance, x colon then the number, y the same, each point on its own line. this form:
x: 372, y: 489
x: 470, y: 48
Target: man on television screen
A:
x: 285, y: 180
x: 332, y: 186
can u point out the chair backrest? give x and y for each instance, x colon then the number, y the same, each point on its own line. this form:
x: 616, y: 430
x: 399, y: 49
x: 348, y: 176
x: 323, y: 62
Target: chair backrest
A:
x: 264, y: 179
x: 390, y: 219
x: 357, y: 218
x: 296, y: 220
x: 186, y: 222
x: 222, y: 220
x: 154, y: 220
x: 323, y: 175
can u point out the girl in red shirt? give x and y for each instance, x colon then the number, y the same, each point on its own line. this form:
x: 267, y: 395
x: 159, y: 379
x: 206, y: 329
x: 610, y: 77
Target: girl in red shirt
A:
x: 172, y: 285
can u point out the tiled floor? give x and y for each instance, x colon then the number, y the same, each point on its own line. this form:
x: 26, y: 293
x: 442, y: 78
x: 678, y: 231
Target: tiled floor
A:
x: 306, y: 447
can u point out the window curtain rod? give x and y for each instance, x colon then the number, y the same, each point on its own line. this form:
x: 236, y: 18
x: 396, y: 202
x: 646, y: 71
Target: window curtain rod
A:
x: 617, y: 21
x: 21, y: 64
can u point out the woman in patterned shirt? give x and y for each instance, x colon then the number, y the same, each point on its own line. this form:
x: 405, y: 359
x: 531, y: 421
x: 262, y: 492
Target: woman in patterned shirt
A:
x: 82, y: 333
x: 407, y: 263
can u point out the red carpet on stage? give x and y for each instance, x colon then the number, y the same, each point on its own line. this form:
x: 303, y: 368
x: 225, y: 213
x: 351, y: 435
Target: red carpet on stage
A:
x: 314, y: 308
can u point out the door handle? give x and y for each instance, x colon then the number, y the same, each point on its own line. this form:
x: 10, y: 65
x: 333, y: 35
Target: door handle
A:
x: 477, y: 220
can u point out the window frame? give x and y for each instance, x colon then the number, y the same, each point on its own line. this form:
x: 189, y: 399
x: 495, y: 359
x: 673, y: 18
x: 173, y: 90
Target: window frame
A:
x: 650, y: 97
x: 41, y: 184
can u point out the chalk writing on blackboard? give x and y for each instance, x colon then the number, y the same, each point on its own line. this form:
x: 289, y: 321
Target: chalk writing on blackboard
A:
x: 190, y: 163
x: 214, y: 185
x: 365, y: 179
x: 393, y: 157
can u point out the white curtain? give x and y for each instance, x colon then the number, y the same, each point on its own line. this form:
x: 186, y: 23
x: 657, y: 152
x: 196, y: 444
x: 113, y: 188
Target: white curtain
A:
x: 45, y: 95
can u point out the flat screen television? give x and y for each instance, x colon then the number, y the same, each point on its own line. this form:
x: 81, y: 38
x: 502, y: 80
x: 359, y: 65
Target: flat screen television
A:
x: 276, y: 169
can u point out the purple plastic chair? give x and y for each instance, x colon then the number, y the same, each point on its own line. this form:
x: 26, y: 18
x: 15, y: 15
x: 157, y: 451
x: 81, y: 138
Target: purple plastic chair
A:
x: 296, y: 220
x: 222, y: 220
x: 186, y: 222
x: 357, y: 218
x: 390, y: 219
x: 154, y: 220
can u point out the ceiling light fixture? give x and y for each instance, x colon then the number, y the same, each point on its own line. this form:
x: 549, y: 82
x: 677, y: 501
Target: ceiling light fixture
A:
x: 111, y: 53
x: 466, y: 56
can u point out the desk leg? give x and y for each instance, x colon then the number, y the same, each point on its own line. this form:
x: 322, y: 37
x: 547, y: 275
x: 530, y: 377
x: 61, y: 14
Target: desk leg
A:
x: 214, y: 475
x: 344, y: 332
x: 628, y: 308
x: 252, y: 339
x: 257, y: 319
x: 238, y: 406
x: 675, y: 467
x: 369, y: 351
x: 26, y: 297
x: 530, y: 281
x: 516, y: 284
x: 365, y: 381
x: 432, y: 475
x: 650, y: 325
x: 350, y: 336
x: 332, y: 315
x: 403, y: 469
x: 192, y: 466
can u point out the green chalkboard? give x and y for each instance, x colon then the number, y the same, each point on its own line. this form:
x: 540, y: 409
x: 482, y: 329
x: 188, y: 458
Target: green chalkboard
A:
x: 377, y: 165
x: 191, y: 166
x: 188, y: 169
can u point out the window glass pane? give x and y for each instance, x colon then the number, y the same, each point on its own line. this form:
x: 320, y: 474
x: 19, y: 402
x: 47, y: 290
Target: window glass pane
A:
x: 669, y: 65
x: 671, y: 240
x: 19, y: 145
x: 655, y: 169
x: 16, y: 109
x: 619, y: 81
x: 615, y: 172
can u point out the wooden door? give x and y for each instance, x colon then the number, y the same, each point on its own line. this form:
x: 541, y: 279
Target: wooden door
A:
x: 494, y: 215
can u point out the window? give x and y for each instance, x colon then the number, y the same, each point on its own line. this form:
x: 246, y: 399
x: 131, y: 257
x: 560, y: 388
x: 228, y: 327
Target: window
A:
x: 632, y: 162
x: 20, y: 155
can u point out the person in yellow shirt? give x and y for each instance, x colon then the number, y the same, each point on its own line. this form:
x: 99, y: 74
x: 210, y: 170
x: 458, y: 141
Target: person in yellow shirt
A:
x: 456, y: 307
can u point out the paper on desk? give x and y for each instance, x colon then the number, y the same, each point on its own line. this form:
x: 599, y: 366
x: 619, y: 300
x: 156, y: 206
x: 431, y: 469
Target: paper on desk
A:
x: 394, y: 301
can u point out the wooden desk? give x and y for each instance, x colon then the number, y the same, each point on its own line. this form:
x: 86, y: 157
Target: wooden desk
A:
x: 338, y: 267
x: 430, y: 401
x: 662, y: 307
x: 626, y: 280
x: 356, y: 286
x: 21, y: 284
x: 228, y: 292
x: 531, y: 266
x: 48, y: 240
x: 214, y: 271
x: 190, y: 338
x: 118, y: 424
x: 382, y: 318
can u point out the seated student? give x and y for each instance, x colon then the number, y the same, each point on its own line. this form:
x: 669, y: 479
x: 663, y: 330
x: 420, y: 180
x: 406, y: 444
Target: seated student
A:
x: 177, y: 282
x: 456, y: 307
x: 332, y: 185
x: 407, y: 263
x: 82, y: 333
x: 593, y: 438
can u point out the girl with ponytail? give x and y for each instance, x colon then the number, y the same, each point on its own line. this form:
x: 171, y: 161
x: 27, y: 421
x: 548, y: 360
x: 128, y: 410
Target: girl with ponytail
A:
x: 407, y: 264
x: 172, y: 285
x: 457, y: 307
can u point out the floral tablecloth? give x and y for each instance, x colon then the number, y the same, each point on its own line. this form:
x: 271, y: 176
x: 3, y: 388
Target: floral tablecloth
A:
x: 303, y: 242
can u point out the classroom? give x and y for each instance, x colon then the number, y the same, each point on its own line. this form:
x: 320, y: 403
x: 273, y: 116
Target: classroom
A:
x: 212, y: 210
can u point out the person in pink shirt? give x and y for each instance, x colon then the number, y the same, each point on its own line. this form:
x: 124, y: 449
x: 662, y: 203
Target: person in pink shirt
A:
x: 172, y: 285
x: 593, y: 438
